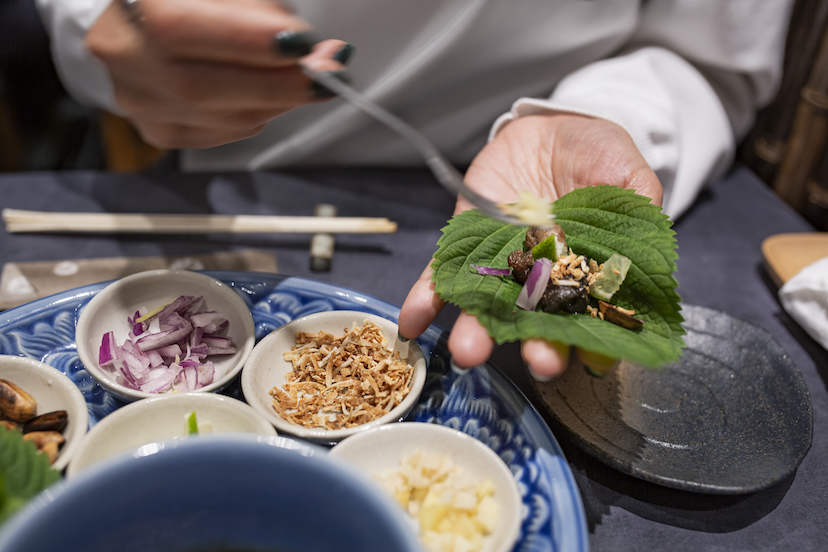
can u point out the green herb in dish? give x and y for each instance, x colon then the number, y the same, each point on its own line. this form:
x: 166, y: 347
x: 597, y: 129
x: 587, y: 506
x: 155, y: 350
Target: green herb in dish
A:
x: 598, y: 222
x: 23, y: 472
x: 192, y: 424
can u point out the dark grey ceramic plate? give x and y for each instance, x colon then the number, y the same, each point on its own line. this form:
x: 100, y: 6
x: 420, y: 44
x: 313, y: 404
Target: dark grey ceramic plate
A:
x: 732, y: 416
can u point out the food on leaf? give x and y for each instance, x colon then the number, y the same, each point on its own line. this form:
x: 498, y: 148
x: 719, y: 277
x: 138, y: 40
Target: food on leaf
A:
x: 598, y: 222
x: 491, y: 271
x: 613, y: 272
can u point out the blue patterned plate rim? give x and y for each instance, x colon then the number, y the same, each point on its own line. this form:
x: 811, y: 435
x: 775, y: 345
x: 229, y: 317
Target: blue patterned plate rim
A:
x: 482, y: 402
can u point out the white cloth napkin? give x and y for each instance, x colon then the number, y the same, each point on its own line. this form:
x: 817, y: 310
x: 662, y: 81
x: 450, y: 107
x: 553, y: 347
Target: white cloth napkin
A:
x: 805, y: 297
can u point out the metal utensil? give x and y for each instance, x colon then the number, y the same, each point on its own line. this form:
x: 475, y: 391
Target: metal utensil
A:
x: 447, y: 175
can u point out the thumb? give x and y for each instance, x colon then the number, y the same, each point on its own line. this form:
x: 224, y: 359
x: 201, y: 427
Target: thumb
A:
x: 421, y: 306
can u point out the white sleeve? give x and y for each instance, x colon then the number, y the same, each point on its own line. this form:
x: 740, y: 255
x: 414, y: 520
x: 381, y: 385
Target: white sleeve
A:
x: 83, y: 75
x: 686, y: 88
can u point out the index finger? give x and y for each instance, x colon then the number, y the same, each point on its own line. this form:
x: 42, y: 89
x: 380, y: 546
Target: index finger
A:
x: 247, y: 32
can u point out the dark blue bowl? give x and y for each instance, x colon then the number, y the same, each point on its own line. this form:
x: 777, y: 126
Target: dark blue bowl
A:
x: 208, y: 494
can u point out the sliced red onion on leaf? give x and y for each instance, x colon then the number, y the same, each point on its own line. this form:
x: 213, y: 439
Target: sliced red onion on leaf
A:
x: 491, y: 271
x: 535, y: 285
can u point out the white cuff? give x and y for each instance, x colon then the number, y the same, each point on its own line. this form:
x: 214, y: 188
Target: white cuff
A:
x: 84, y: 76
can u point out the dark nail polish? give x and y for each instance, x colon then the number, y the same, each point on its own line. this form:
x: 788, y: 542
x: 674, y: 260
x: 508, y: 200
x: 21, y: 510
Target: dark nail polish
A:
x: 319, y: 91
x: 294, y: 44
x: 400, y: 337
x: 343, y: 55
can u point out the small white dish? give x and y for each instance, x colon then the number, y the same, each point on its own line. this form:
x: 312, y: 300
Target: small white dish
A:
x: 266, y: 369
x: 52, y: 390
x: 382, y: 448
x: 109, y: 309
x: 163, y: 418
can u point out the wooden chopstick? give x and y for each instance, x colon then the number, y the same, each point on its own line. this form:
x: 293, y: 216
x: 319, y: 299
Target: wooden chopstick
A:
x: 18, y: 221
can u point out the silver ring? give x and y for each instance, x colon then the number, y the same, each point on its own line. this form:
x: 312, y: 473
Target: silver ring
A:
x: 133, y: 10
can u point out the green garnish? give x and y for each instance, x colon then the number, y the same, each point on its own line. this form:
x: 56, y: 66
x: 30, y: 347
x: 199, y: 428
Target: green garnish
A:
x: 550, y: 248
x: 598, y: 221
x: 23, y: 472
x: 192, y: 424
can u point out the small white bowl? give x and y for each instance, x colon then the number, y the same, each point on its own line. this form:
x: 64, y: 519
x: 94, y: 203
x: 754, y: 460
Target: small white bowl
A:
x: 109, y: 309
x: 163, y: 418
x: 52, y: 390
x: 266, y: 369
x: 382, y: 448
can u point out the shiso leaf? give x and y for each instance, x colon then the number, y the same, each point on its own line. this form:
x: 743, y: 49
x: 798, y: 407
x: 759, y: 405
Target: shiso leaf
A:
x: 23, y: 472
x: 598, y: 221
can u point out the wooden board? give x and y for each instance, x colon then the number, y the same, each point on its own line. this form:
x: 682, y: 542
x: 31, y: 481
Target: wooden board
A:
x: 787, y: 254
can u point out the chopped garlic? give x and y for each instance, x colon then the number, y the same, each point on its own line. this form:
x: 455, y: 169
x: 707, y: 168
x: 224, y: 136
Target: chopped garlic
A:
x: 454, y: 511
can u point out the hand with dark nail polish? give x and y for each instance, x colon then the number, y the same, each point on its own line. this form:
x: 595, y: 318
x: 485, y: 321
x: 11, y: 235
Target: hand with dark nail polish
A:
x: 319, y: 91
x: 221, y: 77
x: 294, y: 44
x: 344, y: 54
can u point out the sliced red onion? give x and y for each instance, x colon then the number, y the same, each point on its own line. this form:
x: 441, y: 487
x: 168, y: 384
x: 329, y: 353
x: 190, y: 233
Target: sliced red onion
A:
x: 180, y: 306
x: 217, y: 341
x: 170, y: 351
x: 535, y: 285
x: 129, y: 379
x: 162, y: 379
x: 191, y: 377
x: 165, y: 337
x: 167, y: 351
x: 491, y: 271
x: 206, y: 373
x: 155, y: 358
x: 195, y: 337
x: 200, y: 351
x: 108, y: 352
x: 209, y: 322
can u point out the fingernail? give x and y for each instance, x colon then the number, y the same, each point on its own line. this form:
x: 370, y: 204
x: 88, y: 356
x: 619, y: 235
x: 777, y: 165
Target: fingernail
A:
x: 400, y: 337
x: 538, y: 377
x: 294, y: 44
x: 456, y: 369
x: 343, y: 55
x: 320, y: 91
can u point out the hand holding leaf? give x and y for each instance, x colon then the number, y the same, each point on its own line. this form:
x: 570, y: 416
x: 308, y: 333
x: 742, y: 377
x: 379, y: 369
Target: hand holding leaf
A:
x: 549, y: 155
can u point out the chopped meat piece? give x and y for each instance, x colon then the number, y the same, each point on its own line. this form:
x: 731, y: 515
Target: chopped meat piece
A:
x: 521, y: 264
x: 536, y: 235
x: 569, y: 299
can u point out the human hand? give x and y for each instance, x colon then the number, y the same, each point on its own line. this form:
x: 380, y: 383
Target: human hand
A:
x: 201, y: 73
x: 549, y: 155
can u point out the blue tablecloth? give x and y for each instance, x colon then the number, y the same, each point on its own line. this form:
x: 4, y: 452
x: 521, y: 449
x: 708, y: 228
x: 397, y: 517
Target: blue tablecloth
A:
x: 720, y: 267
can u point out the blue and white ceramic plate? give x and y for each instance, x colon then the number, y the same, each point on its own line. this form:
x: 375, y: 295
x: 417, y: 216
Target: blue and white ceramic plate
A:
x: 482, y: 402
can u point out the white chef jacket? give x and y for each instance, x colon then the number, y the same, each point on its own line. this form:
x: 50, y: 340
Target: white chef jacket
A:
x: 683, y: 77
